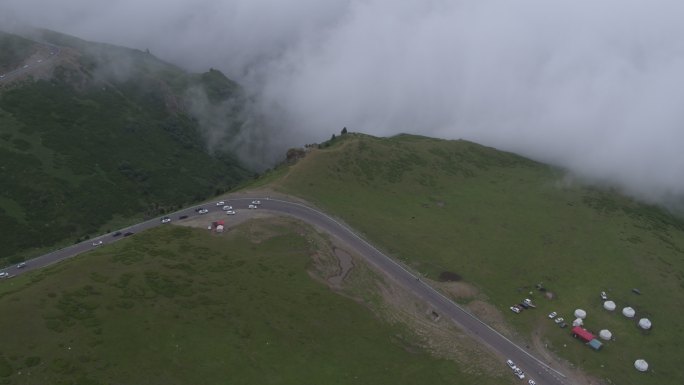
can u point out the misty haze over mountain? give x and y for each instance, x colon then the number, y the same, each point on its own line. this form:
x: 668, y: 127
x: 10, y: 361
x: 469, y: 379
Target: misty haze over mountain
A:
x: 594, y: 86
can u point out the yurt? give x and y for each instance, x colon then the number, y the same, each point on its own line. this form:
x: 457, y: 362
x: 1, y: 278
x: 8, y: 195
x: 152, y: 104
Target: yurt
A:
x: 609, y: 305
x: 605, y: 334
x: 579, y: 313
x: 645, y: 323
x: 577, y: 322
x: 628, y: 312
x: 641, y: 365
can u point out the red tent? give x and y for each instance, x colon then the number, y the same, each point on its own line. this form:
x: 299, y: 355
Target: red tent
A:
x: 582, y: 334
x: 220, y: 223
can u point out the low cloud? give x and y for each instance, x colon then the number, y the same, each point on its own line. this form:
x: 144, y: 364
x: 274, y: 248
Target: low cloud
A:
x: 592, y: 86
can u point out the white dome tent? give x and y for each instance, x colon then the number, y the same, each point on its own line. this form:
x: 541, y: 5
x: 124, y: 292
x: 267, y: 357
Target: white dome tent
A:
x: 609, y: 305
x: 605, y: 334
x: 645, y: 323
x: 641, y: 365
x: 579, y: 313
x: 577, y: 322
x: 628, y: 312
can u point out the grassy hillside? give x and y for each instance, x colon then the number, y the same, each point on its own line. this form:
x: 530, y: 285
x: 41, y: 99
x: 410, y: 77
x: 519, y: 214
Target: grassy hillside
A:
x: 105, y: 138
x: 15, y: 49
x: 505, y: 224
x: 177, y: 305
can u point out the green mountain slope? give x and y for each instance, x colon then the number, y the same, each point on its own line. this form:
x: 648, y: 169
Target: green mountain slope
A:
x: 104, y: 136
x: 176, y: 305
x: 504, y: 224
x: 14, y: 50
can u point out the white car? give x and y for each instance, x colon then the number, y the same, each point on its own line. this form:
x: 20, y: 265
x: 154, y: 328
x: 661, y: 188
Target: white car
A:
x: 515, y: 309
x: 511, y: 364
x: 559, y: 320
x: 165, y: 220
x: 256, y: 202
x: 252, y: 206
x: 2, y: 76
x: 220, y: 203
x: 25, y: 66
x: 531, y: 382
x: 604, y: 296
x: 230, y: 212
x: 4, y: 274
x: 519, y: 373
x: 21, y: 265
x: 203, y: 211
x: 40, y: 61
x: 226, y: 208
x: 97, y: 243
x: 553, y: 314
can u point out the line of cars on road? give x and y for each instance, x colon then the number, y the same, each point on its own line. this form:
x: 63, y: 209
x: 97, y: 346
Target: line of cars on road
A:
x: 201, y: 210
x: 518, y: 372
x: 5, y: 274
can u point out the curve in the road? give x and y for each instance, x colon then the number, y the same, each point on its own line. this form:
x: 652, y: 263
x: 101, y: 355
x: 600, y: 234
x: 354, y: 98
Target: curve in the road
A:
x: 543, y: 373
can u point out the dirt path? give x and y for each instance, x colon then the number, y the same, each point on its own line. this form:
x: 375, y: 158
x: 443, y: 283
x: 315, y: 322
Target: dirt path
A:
x: 345, y: 263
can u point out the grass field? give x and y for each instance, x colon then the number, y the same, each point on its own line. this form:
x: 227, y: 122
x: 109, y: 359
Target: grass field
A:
x: 504, y: 224
x: 176, y: 305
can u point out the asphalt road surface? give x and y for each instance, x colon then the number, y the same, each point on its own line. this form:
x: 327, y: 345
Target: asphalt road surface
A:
x: 30, y: 65
x: 506, y: 349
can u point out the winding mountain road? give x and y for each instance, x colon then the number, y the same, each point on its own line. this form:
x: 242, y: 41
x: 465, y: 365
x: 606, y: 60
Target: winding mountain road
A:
x: 30, y: 65
x: 534, y: 368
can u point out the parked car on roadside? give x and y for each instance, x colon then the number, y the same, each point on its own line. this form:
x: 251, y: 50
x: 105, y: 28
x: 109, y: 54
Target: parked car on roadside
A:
x: 553, y: 314
x: 21, y: 265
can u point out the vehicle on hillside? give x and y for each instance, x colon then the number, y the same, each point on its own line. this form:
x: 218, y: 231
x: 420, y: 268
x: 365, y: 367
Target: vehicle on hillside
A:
x: 252, y: 206
x: 525, y: 305
x: 562, y: 325
x: 25, y: 66
x: 165, y: 220
x: 531, y: 382
x: 202, y: 211
x: 230, y: 212
x: 559, y: 320
x: 97, y: 243
x: 220, y: 203
x: 226, y: 208
x: 515, y: 309
x: 21, y: 265
x: 256, y: 202
x: 116, y: 234
x: 511, y: 364
x: 553, y: 314
x: 128, y: 233
x: 4, y: 274
x: 519, y: 373
x: 604, y: 296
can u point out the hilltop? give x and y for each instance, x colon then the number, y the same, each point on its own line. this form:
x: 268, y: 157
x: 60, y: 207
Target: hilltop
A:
x: 95, y: 136
x: 465, y: 215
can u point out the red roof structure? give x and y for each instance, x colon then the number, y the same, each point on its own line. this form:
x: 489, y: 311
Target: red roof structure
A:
x: 220, y: 223
x: 582, y: 334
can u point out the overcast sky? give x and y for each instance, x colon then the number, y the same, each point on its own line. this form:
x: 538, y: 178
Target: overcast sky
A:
x: 595, y: 86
